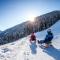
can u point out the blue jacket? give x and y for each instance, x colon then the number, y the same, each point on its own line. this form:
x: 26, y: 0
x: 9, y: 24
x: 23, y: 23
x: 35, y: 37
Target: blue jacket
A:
x: 48, y: 37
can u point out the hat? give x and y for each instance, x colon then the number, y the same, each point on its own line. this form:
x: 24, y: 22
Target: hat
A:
x: 49, y: 30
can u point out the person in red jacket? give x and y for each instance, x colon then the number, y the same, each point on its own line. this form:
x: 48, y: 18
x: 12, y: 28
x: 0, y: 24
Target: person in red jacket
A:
x: 33, y: 37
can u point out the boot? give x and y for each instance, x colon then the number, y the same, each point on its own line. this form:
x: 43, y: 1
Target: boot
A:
x: 46, y: 45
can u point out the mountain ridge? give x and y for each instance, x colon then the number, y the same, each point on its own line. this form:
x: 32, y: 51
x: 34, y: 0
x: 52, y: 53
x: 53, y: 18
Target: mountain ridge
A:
x: 41, y: 23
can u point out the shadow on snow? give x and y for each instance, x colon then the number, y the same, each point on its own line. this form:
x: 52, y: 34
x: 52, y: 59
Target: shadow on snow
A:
x: 53, y: 52
x: 33, y: 47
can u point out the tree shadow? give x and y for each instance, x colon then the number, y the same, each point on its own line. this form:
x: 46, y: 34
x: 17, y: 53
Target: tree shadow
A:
x: 53, y: 52
x: 33, y: 47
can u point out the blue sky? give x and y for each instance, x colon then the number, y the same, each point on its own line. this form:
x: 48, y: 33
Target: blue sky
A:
x: 13, y: 12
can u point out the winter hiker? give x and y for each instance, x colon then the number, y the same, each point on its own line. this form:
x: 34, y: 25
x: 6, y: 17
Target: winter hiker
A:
x: 47, y: 39
x: 33, y: 37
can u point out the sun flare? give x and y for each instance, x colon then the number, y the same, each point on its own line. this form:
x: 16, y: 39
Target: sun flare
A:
x: 31, y: 17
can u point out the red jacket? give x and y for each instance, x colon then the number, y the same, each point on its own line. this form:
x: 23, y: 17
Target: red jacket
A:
x: 32, y: 38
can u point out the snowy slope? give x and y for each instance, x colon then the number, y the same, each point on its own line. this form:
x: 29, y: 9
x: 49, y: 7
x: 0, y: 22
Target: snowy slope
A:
x: 21, y: 49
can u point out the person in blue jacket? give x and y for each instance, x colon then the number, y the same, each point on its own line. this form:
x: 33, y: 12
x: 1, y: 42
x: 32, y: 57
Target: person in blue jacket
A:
x: 48, y: 38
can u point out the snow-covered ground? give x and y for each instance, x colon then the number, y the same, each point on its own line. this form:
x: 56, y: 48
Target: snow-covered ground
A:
x: 23, y: 50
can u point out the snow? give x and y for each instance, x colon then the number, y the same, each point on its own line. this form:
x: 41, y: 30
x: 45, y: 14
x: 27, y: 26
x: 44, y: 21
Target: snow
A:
x: 23, y: 50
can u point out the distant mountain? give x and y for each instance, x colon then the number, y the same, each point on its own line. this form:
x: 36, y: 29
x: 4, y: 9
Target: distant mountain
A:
x: 41, y: 22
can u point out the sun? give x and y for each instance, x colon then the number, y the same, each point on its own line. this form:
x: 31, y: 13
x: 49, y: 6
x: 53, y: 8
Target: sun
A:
x: 31, y: 17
